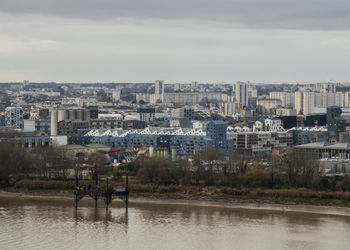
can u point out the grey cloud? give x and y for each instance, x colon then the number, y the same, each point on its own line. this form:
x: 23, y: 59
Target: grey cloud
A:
x: 280, y: 14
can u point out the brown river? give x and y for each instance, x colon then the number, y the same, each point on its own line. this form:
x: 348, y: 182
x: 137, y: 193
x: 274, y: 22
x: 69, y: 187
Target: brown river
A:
x: 46, y: 223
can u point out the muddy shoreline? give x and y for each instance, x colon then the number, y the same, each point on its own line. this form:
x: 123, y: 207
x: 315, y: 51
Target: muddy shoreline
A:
x: 204, y: 202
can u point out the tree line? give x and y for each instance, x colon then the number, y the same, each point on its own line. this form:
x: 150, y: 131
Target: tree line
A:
x: 280, y: 169
x: 17, y: 162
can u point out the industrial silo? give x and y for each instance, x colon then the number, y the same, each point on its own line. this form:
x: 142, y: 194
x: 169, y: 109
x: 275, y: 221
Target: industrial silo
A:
x: 80, y: 114
x: 87, y: 114
x: 62, y: 115
x: 72, y: 114
x: 53, y: 122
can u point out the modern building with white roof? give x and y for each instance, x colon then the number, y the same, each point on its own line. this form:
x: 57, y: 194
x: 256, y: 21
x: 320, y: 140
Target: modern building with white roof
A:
x: 326, y: 150
x: 186, y: 141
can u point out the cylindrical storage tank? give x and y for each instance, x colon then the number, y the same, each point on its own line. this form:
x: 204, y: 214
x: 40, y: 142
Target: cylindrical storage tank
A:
x: 80, y: 114
x: 173, y: 154
x: 53, y: 122
x: 72, y: 114
x: 62, y: 115
x: 87, y: 114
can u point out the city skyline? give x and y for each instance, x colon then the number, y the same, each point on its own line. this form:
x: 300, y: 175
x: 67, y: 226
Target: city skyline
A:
x: 113, y: 41
x: 189, y: 124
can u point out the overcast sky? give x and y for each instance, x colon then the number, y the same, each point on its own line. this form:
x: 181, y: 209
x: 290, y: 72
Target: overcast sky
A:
x: 178, y: 41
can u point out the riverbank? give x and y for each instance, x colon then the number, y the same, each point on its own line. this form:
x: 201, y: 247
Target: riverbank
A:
x: 136, y: 199
x: 287, y: 196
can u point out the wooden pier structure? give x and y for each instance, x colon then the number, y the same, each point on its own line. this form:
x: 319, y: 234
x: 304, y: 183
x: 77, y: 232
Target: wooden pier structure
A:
x: 96, y: 192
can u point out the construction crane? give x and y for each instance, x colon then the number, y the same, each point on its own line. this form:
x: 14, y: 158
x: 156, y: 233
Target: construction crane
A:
x: 241, y: 112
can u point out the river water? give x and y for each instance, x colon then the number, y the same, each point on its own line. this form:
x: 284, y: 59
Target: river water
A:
x: 44, y: 223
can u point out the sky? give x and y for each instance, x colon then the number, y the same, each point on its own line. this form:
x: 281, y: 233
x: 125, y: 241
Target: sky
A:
x: 220, y: 41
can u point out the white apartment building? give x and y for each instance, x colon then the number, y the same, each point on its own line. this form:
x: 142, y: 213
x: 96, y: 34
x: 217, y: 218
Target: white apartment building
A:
x: 269, y: 103
x: 183, y: 98
x: 273, y: 125
x: 116, y: 94
x: 298, y: 101
x: 286, y: 98
x: 323, y: 100
x: 308, y: 102
x: 14, y: 117
x: 339, y: 99
x: 304, y: 102
x: 228, y: 108
x: 241, y: 93
x: 252, y: 91
x: 347, y: 100
x: 329, y: 87
x: 159, y: 90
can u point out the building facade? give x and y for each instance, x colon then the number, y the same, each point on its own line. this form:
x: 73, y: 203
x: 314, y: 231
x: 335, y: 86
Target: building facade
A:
x: 269, y: 103
x: 43, y: 125
x: 146, y: 114
x: 263, y: 142
x: 14, y: 117
x: 159, y: 90
x: 71, y: 128
x: 241, y: 93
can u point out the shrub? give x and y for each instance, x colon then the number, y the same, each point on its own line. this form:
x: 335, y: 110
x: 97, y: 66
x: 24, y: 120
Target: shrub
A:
x: 256, y: 178
x: 158, y: 171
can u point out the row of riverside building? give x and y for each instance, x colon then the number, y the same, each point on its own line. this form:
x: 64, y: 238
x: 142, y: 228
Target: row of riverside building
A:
x: 188, y: 141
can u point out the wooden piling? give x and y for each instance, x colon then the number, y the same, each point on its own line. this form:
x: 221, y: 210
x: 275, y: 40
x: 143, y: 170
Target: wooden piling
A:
x: 76, y: 192
x: 96, y: 191
x: 127, y: 192
x: 107, y: 193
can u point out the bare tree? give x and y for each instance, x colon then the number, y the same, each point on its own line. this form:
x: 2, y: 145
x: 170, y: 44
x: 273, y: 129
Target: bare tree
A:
x: 238, y: 161
x: 301, y: 167
x: 97, y: 162
x: 275, y: 165
x: 14, y: 160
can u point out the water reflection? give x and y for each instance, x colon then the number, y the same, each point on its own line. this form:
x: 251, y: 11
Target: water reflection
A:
x: 119, y: 216
x: 56, y: 224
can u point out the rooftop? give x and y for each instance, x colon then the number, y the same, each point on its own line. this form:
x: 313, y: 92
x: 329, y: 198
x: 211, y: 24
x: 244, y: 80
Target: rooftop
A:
x: 325, y: 145
x: 146, y: 131
x: 217, y: 122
